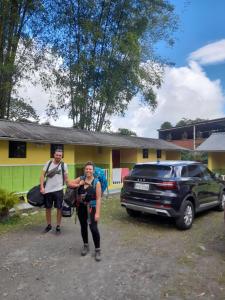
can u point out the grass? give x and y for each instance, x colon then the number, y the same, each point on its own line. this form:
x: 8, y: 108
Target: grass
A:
x: 18, y: 221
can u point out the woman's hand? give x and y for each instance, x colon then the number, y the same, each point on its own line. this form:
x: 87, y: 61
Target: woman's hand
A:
x: 97, y: 217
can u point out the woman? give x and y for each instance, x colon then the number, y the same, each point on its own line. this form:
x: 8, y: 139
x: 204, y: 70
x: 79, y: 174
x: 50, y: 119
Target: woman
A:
x: 88, y: 210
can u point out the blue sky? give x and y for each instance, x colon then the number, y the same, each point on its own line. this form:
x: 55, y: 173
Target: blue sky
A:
x: 193, y: 88
x: 201, y: 22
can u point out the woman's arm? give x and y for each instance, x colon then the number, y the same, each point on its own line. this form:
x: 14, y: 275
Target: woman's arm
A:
x: 98, y: 201
x: 74, y: 183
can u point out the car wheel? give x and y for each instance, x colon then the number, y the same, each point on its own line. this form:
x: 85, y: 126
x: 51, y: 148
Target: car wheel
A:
x: 185, y: 220
x: 221, y: 205
x: 133, y: 213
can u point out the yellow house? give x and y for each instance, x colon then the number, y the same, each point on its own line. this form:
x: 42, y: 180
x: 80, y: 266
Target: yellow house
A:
x: 215, y: 147
x: 25, y: 147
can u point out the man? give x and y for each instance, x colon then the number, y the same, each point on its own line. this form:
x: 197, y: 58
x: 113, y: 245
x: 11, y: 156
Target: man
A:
x: 52, y: 187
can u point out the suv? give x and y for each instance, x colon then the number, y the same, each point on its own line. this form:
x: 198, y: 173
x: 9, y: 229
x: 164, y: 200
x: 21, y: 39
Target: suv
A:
x: 177, y: 189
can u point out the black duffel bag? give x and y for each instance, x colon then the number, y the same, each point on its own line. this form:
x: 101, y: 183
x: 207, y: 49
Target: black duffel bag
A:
x: 35, y: 197
x: 70, y: 197
x: 67, y: 211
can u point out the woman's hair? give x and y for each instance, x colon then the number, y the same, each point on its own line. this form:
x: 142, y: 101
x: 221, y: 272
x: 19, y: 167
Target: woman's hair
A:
x: 89, y: 163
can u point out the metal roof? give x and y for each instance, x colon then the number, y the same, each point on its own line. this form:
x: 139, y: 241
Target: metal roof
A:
x: 215, y: 143
x: 32, y: 132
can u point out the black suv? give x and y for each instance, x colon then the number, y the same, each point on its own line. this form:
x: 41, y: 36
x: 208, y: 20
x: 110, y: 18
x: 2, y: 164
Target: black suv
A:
x: 177, y: 189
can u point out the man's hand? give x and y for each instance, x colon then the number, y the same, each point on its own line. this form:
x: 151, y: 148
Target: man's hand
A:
x: 42, y: 190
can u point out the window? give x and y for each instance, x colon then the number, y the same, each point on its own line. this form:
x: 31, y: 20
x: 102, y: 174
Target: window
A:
x: 158, y: 153
x: 155, y: 171
x: 145, y: 153
x: 194, y: 171
x: 17, y: 149
x: 54, y: 147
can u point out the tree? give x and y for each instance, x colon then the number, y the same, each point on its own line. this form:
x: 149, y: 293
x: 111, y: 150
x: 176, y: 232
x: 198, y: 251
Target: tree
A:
x: 21, y: 111
x: 125, y: 131
x: 101, y: 43
x: 184, y: 122
x: 20, y: 23
x: 166, y: 125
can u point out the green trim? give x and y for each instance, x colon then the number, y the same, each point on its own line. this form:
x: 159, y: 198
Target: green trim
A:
x: 20, y: 179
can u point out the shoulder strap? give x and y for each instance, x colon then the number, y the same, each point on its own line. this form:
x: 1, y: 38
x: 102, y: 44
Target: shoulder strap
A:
x: 63, y: 170
x: 95, y: 181
x: 48, y: 167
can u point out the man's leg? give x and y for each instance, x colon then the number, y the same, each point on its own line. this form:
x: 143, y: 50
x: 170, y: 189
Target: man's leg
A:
x: 59, y: 216
x: 48, y: 214
x: 48, y: 207
x: 58, y: 199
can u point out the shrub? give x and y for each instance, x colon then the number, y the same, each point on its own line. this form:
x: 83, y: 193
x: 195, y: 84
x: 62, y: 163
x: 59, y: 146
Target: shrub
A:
x: 7, y: 201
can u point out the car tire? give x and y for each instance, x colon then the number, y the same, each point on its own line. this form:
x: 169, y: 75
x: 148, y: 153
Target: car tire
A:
x: 221, y: 205
x: 133, y: 213
x: 185, y: 220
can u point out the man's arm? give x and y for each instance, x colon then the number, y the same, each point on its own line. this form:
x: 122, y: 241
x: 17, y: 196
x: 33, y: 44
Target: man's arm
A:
x: 42, y: 180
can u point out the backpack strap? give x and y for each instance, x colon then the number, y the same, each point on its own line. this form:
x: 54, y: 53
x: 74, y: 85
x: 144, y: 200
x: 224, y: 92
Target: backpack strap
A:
x: 95, y: 181
x: 48, y: 166
x: 63, y: 170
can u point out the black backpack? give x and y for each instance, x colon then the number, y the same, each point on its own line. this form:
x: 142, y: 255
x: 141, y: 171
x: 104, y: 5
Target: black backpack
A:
x: 71, y: 196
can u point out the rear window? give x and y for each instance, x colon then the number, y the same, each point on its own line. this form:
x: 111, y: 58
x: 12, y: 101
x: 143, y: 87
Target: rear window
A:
x: 152, y: 171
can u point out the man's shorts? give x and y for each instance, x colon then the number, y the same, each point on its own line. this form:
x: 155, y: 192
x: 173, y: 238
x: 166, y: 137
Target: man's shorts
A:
x: 54, y: 197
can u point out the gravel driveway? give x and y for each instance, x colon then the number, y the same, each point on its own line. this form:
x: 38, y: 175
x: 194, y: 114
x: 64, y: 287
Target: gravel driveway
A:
x: 143, y: 258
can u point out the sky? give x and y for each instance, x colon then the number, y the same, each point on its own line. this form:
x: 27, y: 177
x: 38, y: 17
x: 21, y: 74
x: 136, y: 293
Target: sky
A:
x: 194, y: 87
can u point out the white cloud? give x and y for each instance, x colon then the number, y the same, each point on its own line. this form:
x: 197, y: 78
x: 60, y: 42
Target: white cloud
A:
x: 187, y: 92
x: 210, y: 54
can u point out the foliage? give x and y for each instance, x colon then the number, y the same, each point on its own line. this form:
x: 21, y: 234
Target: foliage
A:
x: 125, y: 131
x: 196, y: 156
x: 184, y: 122
x: 21, y: 111
x: 166, y: 125
x: 20, y: 24
x: 7, y: 201
x: 101, y: 44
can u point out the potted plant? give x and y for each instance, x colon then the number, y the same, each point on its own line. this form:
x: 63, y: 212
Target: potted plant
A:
x: 7, y: 201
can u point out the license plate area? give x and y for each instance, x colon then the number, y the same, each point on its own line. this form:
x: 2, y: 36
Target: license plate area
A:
x: 141, y: 186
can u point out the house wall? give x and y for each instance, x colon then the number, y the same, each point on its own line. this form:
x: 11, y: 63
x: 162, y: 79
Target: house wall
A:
x: 216, y: 162
x: 152, y: 155
x: 173, y: 155
x: 20, y: 174
x: 128, y: 158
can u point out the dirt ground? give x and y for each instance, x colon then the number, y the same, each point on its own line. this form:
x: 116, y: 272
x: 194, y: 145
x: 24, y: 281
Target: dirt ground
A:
x: 142, y: 258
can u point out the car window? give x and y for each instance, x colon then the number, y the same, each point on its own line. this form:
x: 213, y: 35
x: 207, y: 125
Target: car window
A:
x: 194, y: 171
x: 184, y: 171
x: 206, y: 172
x: 155, y: 171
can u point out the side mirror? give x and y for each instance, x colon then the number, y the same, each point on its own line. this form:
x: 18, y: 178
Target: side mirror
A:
x: 218, y: 176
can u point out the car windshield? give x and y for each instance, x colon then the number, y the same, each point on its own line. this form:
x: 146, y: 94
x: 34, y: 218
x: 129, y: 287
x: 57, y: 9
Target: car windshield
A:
x: 155, y: 171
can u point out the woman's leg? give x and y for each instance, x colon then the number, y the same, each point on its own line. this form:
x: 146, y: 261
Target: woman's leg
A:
x: 94, y: 229
x: 82, y: 216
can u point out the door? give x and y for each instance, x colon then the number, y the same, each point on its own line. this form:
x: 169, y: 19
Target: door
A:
x: 213, y: 185
x: 116, y: 158
x: 200, y: 184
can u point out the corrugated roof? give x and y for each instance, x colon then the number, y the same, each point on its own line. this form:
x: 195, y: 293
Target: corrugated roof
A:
x: 31, y: 132
x: 215, y: 143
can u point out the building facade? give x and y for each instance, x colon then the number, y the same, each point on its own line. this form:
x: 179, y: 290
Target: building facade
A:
x: 25, y: 148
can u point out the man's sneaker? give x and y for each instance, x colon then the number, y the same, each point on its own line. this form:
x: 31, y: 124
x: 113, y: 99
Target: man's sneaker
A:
x: 85, y: 249
x: 98, y: 255
x: 48, y: 228
x: 57, y: 229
